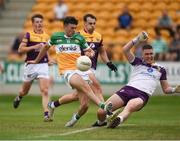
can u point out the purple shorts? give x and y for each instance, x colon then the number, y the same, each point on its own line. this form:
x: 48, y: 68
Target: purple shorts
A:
x: 127, y: 93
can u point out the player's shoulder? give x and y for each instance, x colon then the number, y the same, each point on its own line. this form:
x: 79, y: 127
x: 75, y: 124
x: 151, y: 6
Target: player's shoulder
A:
x: 97, y: 34
x: 78, y: 36
x: 160, y: 66
x: 57, y: 35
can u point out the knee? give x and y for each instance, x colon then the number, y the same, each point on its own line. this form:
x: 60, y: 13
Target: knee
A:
x: 135, y: 107
x: 84, y: 88
x: 97, y: 87
x: 44, y: 91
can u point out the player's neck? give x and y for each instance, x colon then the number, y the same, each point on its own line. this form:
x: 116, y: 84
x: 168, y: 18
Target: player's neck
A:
x: 38, y: 31
x: 89, y: 32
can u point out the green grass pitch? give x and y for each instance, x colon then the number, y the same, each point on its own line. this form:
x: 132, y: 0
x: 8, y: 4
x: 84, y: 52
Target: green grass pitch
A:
x: 159, y: 120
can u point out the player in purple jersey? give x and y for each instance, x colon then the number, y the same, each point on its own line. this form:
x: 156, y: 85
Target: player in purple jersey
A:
x: 95, y: 41
x: 31, y: 44
x: 145, y: 76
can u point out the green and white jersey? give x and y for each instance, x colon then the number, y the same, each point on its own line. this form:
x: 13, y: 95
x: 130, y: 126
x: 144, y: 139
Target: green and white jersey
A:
x: 68, y: 49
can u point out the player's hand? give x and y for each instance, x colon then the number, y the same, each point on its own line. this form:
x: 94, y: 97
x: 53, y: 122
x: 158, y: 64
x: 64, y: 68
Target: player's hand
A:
x: 39, y: 46
x: 112, y: 66
x: 90, y: 53
x: 177, y: 89
x: 143, y: 36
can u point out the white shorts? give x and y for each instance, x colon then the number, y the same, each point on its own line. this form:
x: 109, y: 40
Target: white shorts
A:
x: 91, y: 71
x: 69, y: 73
x: 34, y: 71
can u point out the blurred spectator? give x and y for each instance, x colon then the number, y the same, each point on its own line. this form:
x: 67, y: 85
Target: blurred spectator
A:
x: 2, y: 4
x: 124, y: 19
x: 1, y: 69
x: 165, y: 23
x: 174, y: 47
x: 60, y: 10
x: 13, y: 54
x: 160, y: 48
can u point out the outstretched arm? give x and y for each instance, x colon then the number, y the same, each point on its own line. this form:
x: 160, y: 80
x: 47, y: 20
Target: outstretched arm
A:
x: 143, y: 36
x: 106, y: 60
x: 168, y: 89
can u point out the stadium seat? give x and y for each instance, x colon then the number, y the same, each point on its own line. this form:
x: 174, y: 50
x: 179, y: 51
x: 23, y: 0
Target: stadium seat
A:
x: 156, y: 14
x: 104, y: 15
x: 141, y: 23
x: 46, y: 1
x: 42, y: 7
x: 93, y: 6
x: 147, y: 6
x: 119, y: 6
x: 101, y: 23
x: 145, y: 15
x: 117, y: 53
x: 107, y: 6
x: 160, y: 6
x: 134, y: 6
x: 174, y: 6
x: 135, y: 31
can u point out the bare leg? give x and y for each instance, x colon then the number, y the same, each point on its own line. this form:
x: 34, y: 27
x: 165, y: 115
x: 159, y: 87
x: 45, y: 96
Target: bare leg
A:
x: 77, y: 82
x: 132, y: 106
x: 25, y: 88
x: 44, y: 85
x: 95, y: 86
x: 68, y: 98
x: 23, y: 91
x: 117, y: 103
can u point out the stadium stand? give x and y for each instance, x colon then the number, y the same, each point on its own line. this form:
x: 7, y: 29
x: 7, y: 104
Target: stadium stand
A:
x: 11, y: 23
x: 145, y: 15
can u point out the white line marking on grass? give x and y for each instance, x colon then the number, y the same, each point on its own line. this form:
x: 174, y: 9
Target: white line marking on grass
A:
x: 76, y: 131
x: 67, y: 133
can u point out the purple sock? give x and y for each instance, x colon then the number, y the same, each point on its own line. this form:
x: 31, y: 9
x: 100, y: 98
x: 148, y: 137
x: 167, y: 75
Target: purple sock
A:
x: 56, y: 103
x: 46, y: 113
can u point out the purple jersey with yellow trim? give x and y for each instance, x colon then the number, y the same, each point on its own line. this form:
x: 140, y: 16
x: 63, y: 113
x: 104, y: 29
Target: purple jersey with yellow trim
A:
x: 31, y: 38
x: 94, y: 40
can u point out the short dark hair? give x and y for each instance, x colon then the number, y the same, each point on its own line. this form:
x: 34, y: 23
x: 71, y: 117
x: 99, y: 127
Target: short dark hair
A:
x: 89, y: 15
x: 147, y: 47
x: 70, y: 20
x: 36, y: 16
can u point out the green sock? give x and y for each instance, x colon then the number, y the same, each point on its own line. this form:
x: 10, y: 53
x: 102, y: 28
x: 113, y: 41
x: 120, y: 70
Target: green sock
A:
x: 102, y: 105
x: 77, y: 116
